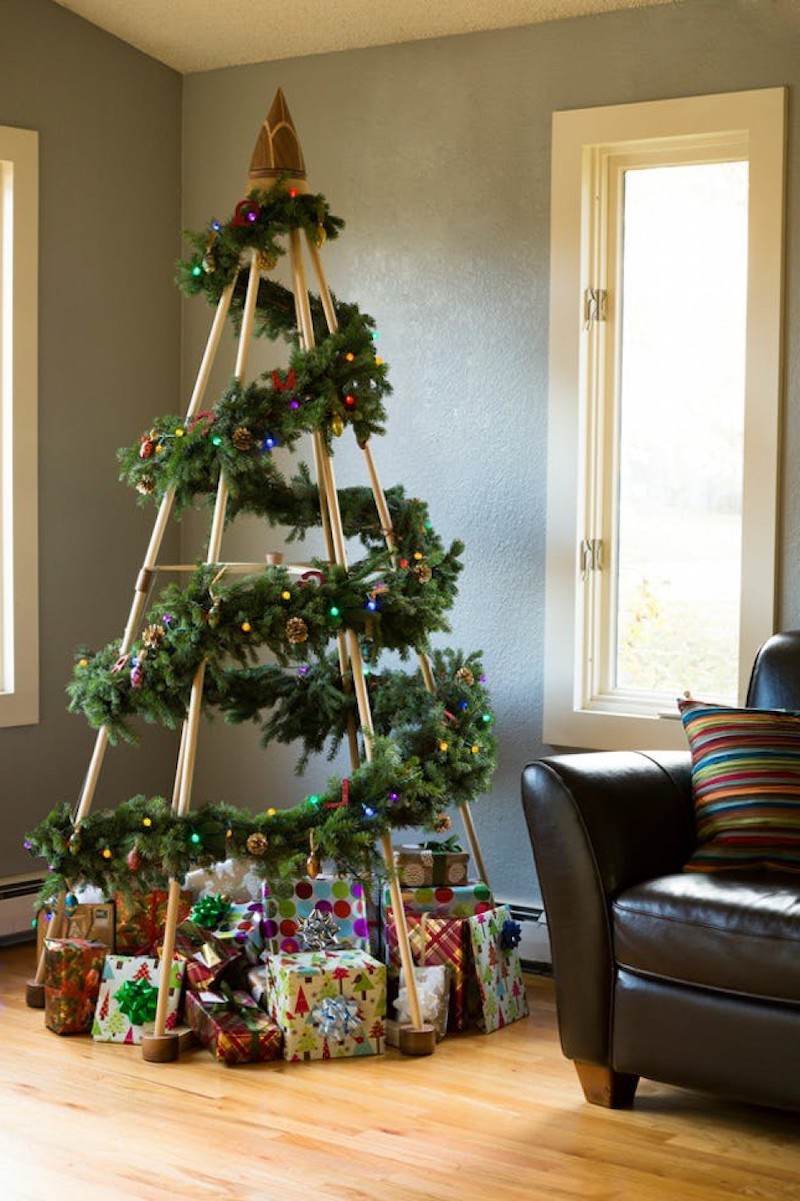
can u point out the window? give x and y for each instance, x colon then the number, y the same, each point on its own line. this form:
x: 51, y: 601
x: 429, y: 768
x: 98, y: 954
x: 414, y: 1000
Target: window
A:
x: 19, y: 604
x: 666, y: 275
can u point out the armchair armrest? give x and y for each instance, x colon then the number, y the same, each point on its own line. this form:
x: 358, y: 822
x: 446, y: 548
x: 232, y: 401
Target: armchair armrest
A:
x: 599, y: 823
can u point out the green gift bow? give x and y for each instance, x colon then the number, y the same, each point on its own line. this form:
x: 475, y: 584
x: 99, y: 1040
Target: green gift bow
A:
x: 138, y: 1000
x: 450, y: 845
x: 211, y: 911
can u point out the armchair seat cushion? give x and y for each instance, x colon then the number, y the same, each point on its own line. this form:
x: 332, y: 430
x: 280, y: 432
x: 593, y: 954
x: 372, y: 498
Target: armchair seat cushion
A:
x: 719, y: 932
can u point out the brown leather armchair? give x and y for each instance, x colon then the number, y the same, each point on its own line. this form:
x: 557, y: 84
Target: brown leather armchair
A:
x: 687, y: 978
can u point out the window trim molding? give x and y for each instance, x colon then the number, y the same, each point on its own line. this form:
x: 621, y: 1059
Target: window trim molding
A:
x: 578, y: 135
x: 19, y: 229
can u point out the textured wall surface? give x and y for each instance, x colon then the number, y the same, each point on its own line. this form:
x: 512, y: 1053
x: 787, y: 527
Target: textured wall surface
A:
x: 437, y: 155
x: 109, y: 126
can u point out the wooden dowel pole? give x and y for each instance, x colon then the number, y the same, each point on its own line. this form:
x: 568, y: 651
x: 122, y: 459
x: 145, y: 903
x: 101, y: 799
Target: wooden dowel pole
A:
x: 167, y: 952
x: 329, y: 500
x: 380, y: 500
x: 401, y: 927
x: 472, y: 835
x: 248, y: 315
x: 210, y: 352
x: 427, y: 674
x: 324, y: 290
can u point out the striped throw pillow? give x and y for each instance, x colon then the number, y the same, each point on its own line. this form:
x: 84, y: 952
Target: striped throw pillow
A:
x: 746, y: 786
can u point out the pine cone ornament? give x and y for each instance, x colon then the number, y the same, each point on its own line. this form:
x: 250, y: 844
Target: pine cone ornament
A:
x: 441, y: 823
x: 296, y: 630
x: 146, y: 485
x: 257, y: 844
x: 266, y: 261
x: 153, y: 636
x: 422, y: 572
x: 242, y: 439
x: 465, y: 676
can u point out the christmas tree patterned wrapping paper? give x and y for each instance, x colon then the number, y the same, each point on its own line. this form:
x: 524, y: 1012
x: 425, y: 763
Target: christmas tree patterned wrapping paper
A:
x: 232, y: 1026
x: 434, y: 940
x: 126, y: 1007
x: 71, y: 983
x: 329, y: 1004
x: 493, y: 937
x: 140, y: 918
x: 340, y: 896
x: 462, y: 900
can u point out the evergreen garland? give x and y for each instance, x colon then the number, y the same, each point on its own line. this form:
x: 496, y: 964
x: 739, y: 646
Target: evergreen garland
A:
x: 429, y: 749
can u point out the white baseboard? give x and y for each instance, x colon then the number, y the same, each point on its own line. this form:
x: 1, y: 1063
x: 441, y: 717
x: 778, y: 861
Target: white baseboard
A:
x: 534, y: 946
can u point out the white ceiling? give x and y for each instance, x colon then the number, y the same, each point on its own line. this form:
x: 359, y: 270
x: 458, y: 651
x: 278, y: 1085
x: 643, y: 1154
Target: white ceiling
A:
x: 199, y: 35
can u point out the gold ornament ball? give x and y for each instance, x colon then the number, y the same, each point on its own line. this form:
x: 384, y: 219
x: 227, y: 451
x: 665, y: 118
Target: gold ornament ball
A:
x: 313, y: 866
x: 337, y: 426
x: 257, y: 844
x: 442, y: 823
x: 296, y: 630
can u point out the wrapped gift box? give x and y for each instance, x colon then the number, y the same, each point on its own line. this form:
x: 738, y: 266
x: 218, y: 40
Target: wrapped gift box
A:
x: 233, y: 1027
x: 233, y: 878
x: 208, y: 959
x: 497, y: 968
x: 423, y: 866
x: 442, y: 940
x: 340, y: 896
x: 463, y: 900
x: 329, y: 1004
x: 238, y: 922
x: 90, y: 923
x: 126, y: 1006
x: 140, y: 918
x: 71, y: 983
x: 257, y: 984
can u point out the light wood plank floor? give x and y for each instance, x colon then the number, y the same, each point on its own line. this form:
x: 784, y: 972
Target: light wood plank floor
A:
x: 487, y: 1118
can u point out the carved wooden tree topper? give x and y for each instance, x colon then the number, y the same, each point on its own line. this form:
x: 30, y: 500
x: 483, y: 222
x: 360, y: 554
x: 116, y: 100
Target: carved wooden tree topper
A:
x: 277, y: 149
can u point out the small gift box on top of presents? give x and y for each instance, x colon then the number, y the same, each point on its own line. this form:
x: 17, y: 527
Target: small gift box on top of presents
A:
x: 126, y: 1006
x: 340, y: 899
x: 140, y: 918
x: 329, y: 1004
x: 494, y: 938
x: 459, y: 900
x: 232, y: 1027
x: 431, y: 863
x: 71, y: 983
x: 437, y: 940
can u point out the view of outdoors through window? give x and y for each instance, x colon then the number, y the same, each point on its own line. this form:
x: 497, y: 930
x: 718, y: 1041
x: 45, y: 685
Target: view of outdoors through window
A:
x: 683, y: 312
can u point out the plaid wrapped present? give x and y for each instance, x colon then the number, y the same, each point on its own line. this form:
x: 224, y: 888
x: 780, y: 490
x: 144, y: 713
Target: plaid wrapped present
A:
x: 462, y: 900
x: 208, y: 959
x: 340, y: 897
x: 329, y: 1004
x: 140, y: 918
x: 433, y: 940
x: 126, y: 1006
x: 232, y: 1026
x: 494, y: 937
x: 72, y: 969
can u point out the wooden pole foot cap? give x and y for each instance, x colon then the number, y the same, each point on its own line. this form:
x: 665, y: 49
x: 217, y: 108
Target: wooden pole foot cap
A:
x: 34, y: 995
x: 160, y: 1048
x: 417, y: 1041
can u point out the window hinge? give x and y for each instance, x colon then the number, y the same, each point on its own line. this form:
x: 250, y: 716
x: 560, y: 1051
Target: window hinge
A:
x: 595, y: 306
x: 591, y: 555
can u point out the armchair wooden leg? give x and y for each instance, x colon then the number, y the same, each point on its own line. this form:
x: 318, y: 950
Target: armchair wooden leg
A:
x: 603, y: 1086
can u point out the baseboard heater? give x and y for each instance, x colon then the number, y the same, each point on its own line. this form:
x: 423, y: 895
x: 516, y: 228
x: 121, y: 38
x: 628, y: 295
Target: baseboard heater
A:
x: 534, y: 946
x: 17, y: 894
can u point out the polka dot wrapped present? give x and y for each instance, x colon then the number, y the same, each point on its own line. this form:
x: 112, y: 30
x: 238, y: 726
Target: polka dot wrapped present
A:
x: 340, y: 900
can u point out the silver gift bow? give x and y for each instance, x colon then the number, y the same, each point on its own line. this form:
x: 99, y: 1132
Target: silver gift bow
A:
x: 337, y: 1017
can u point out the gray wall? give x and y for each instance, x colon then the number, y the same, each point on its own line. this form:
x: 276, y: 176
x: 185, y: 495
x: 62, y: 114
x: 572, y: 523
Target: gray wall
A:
x: 437, y: 155
x: 109, y: 125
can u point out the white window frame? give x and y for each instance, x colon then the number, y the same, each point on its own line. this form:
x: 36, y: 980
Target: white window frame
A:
x: 589, y: 147
x: 19, y: 491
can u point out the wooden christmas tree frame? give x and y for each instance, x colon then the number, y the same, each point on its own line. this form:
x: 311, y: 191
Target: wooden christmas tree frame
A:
x: 277, y: 162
